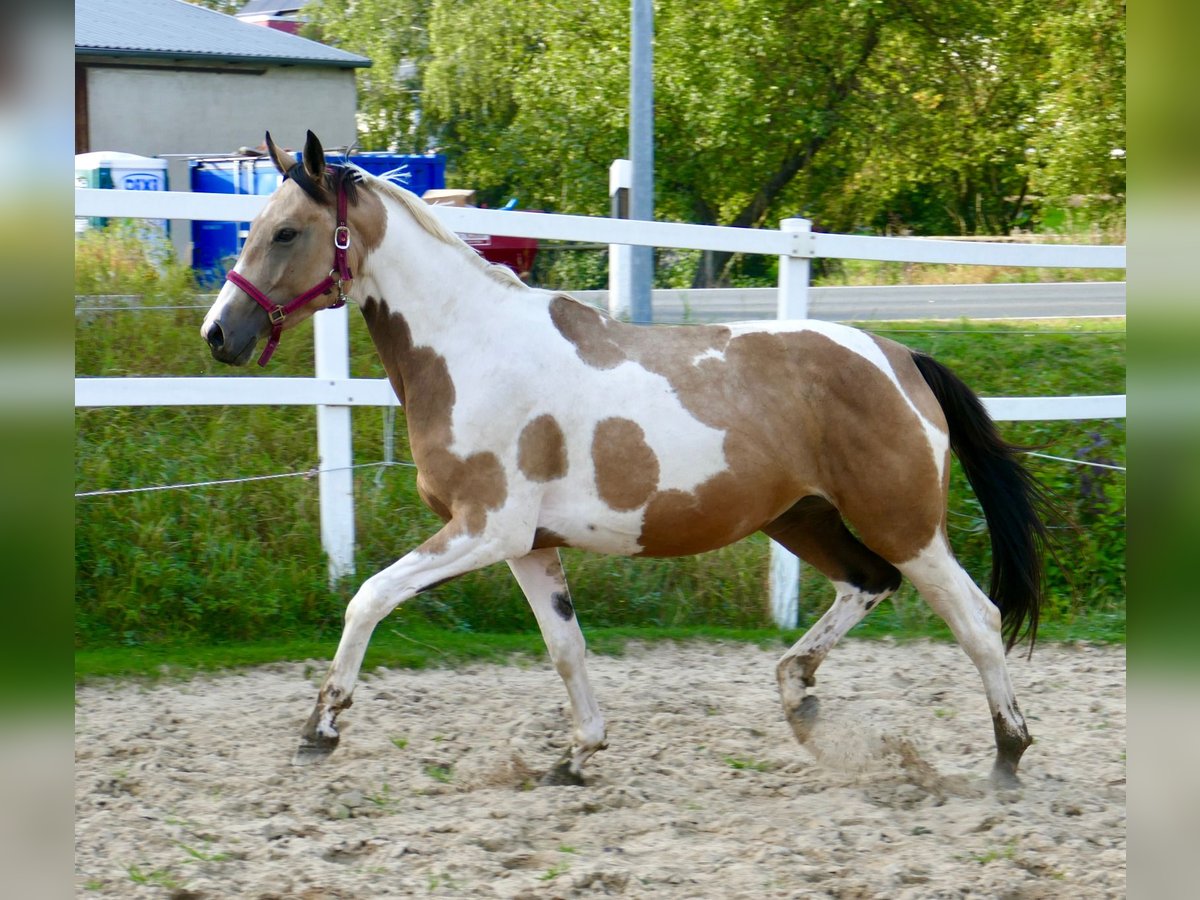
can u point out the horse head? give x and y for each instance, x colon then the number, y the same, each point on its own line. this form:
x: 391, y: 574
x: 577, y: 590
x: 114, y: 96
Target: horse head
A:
x: 298, y: 259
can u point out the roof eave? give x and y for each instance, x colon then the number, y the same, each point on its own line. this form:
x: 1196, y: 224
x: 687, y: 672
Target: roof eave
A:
x: 120, y: 52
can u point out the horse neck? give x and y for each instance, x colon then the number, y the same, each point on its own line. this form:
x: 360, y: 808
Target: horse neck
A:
x: 439, y: 288
x: 423, y: 298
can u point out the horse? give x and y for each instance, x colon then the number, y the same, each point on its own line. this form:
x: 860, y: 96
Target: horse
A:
x: 537, y: 422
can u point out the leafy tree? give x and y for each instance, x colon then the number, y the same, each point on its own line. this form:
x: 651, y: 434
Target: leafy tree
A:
x: 1079, y: 144
x: 885, y: 115
x: 393, y: 34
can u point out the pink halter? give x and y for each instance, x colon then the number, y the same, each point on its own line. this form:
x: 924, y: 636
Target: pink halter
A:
x: 338, y: 275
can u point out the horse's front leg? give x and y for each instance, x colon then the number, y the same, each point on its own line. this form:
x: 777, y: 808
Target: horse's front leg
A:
x: 448, y: 554
x: 541, y: 577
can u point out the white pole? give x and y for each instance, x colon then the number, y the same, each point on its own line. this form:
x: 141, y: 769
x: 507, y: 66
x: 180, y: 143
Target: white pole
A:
x: 331, y: 340
x: 620, y: 267
x: 793, y: 304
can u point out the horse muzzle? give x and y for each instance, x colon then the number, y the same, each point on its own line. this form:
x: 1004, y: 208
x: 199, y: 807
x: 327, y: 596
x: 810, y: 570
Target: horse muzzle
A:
x: 233, y: 349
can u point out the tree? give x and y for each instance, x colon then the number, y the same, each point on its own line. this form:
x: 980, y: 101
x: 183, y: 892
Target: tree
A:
x: 886, y: 115
x: 393, y: 34
x: 1079, y: 144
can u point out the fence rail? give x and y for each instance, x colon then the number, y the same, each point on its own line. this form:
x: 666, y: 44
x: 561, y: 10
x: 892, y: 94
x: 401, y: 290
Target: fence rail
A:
x: 333, y: 392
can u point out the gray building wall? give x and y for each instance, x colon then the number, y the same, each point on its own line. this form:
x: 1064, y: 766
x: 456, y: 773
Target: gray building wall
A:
x: 158, y: 111
x: 155, y: 111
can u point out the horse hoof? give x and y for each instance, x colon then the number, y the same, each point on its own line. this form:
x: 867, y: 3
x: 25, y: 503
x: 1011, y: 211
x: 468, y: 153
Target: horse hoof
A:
x: 563, y: 774
x: 803, y: 717
x: 310, y: 752
x: 1004, y: 778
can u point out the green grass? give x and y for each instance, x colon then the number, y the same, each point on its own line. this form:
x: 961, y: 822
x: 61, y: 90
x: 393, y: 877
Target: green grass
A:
x: 234, y: 575
x: 421, y: 646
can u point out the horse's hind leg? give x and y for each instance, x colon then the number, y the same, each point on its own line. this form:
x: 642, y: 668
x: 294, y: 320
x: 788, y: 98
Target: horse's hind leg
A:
x: 814, y: 531
x: 975, y: 621
x: 541, y: 577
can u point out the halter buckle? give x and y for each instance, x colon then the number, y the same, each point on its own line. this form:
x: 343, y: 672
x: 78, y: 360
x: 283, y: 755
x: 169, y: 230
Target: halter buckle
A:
x: 277, y: 315
x: 341, y: 237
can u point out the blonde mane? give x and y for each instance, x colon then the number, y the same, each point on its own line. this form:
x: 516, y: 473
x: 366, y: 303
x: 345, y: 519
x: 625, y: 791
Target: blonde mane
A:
x: 424, y: 217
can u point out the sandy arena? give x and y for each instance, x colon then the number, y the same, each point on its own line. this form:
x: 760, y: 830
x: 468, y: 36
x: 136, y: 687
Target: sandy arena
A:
x: 185, y: 789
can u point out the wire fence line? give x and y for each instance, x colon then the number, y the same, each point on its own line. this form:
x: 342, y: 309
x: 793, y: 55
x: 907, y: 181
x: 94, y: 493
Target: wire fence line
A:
x: 388, y: 463
x: 305, y: 473
x: 1077, y: 462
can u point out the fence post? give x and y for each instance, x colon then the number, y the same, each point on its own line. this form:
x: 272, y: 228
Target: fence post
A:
x: 620, y: 256
x: 331, y: 344
x: 793, y: 304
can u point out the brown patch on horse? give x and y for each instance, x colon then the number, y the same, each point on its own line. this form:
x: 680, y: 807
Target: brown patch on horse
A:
x: 544, y: 538
x: 626, y: 467
x: 588, y: 330
x: 542, y: 450
x: 813, y: 529
x: 462, y: 489
x: 831, y: 423
x: 367, y: 220
x: 912, y: 382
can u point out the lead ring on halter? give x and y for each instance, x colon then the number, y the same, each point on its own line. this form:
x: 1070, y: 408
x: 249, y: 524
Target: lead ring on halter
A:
x: 338, y: 275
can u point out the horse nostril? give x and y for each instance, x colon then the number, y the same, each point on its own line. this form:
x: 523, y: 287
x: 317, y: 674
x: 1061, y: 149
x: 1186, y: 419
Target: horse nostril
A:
x: 215, y: 337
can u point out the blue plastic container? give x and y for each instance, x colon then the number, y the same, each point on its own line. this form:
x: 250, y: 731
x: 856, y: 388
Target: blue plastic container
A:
x: 416, y: 173
x: 216, y: 245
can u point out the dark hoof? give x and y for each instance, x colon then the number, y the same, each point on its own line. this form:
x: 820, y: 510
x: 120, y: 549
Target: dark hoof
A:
x: 802, y: 718
x: 563, y: 774
x: 314, y: 750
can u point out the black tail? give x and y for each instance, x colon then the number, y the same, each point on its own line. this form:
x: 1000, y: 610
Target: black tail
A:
x: 1011, y: 499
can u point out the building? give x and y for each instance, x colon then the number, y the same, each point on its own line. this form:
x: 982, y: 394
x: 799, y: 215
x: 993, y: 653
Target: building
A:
x: 158, y: 77
x: 165, y: 78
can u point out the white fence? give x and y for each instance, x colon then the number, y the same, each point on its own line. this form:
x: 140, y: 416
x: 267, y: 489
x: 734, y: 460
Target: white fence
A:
x: 333, y: 392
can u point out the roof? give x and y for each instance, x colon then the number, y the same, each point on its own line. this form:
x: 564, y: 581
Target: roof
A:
x: 172, y: 29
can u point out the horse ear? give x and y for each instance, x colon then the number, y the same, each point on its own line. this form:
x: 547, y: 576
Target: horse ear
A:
x: 282, y: 159
x: 314, y: 157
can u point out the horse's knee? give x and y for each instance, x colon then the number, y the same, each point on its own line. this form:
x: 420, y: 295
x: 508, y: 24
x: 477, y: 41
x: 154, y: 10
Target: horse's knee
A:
x: 367, y: 606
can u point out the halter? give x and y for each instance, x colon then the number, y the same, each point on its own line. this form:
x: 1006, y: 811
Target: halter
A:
x: 338, y: 275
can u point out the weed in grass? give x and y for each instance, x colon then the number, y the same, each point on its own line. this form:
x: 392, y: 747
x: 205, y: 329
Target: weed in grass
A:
x: 202, y: 856
x: 443, y: 880
x: 400, y: 743
x: 160, y: 877
x: 742, y: 764
x: 444, y: 774
x: 1007, y: 852
x: 385, y: 800
x: 554, y: 871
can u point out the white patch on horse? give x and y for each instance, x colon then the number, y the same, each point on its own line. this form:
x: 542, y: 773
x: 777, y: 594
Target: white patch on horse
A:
x: 226, y: 295
x: 710, y: 353
x: 520, y: 367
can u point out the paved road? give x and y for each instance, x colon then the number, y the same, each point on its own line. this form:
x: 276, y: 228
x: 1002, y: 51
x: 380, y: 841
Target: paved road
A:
x: 941, y: 301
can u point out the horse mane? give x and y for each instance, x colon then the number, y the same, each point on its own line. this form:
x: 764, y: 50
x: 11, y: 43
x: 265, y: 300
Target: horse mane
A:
x: 422, y: 213
x: 345, y: 178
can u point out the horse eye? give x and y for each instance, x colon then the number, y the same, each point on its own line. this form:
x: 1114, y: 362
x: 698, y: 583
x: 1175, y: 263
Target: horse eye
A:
x: 285, y: 235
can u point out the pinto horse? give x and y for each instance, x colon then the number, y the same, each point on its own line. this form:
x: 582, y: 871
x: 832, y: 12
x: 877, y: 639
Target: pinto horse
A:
x: 537, y: 422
